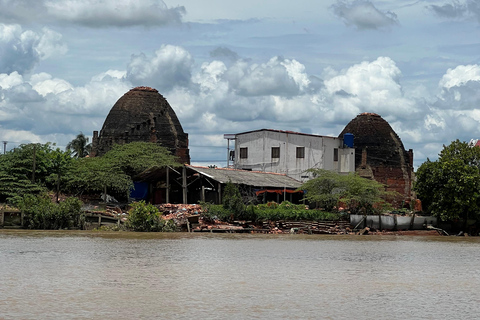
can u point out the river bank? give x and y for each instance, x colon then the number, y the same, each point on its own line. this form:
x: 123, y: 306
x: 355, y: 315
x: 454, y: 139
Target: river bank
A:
x: 189, y: 218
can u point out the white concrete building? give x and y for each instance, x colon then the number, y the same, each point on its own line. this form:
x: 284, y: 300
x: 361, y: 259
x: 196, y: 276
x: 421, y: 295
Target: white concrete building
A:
x: 291, y: 153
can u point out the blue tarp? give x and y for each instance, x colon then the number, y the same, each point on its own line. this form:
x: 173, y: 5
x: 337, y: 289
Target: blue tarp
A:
x: 140, y: 191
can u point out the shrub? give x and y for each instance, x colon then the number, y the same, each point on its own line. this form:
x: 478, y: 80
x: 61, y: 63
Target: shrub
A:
x: 212, y: 212
x: 146, y: 218
x: 291, y: 212
x: 41, y: 213
x: 269, y: 211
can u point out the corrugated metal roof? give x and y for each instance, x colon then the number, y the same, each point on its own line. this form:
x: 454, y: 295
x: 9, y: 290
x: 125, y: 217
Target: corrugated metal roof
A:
x: 251, y: 178
x: 287, y: 132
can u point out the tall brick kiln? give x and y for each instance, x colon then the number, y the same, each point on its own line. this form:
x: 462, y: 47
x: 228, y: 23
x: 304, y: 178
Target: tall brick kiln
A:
x: 380, y: 154
x: 142, y: 114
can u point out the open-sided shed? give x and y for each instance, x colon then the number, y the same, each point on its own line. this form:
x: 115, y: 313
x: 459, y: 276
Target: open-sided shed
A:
x: 191, y: 184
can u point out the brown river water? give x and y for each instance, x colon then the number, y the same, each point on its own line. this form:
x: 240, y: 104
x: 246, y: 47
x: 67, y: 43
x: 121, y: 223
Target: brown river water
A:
x: 121, y: 275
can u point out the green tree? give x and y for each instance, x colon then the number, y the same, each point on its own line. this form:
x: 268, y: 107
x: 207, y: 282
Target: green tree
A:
x: 59, y: 164
x: 114, y: 171
x: 135, y: 157
x: 325, y: 188
x: 30, y: 169
x: 330, y: 189
x: 232, y: 201
x: 364, y: 195
x: 79, y: 147
x: 450, y: 187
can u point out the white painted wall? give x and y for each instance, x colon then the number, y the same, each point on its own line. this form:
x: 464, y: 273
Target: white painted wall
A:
x: 319, y: 153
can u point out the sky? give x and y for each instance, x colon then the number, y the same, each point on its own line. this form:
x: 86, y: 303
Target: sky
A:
x: 309, y: 66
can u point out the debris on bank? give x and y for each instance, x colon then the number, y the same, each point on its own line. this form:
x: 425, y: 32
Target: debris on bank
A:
x: 189, y: 217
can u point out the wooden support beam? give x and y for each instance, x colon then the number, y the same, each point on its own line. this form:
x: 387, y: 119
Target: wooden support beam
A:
x: 219, y: 189
x: 167, y: 191
x: 184, y: 185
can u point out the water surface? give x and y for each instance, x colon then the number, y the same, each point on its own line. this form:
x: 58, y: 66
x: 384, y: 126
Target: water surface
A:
x: 114, y: 275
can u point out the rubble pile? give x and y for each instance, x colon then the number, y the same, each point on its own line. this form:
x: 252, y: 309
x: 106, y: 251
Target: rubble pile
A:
x: 178, y: 211
x: 114, y: 212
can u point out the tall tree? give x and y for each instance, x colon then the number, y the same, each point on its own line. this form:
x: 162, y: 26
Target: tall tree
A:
x: 330, y: 189
x: 450, y: 187
x: 114, y: 171
x: 79, y: 147
x: 20, y: 165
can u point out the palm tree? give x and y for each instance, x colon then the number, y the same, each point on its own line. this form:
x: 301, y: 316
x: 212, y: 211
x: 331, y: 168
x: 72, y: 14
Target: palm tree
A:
x: 79, y: 146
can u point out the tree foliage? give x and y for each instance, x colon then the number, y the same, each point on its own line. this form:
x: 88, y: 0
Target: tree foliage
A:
x: 95, y: 175
x: 79, y: 147
x: 450, y: 187
x: 135, y: 157
x: 115, y: 170
x: 232, y: 207
x: 31, y: 169
x: 41, y: 213
x: 329, y: 189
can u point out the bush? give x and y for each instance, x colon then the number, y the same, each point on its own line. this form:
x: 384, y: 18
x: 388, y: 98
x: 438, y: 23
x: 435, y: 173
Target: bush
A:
x: 41, y: 213
x: 146, y: 218
x: 291, y: 212
x: 269, y: 211
x: 212, y: 212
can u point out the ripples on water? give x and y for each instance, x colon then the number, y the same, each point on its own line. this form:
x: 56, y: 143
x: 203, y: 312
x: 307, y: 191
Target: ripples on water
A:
x: 82, y: 275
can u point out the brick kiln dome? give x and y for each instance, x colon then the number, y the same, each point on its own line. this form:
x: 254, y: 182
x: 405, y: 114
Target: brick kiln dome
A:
x: 142, y: 114
x: 379, y: 152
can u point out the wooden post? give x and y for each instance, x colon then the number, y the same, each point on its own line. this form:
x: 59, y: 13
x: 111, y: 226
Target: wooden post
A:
x: 167, y: 191
x: 202, y: 196
x: 99, y: 220
x: 2, y: 217
x: 219, y: 193
x: 184, y: 184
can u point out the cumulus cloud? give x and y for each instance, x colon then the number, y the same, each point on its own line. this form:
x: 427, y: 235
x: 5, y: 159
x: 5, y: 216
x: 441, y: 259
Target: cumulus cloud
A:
x: 457, y: 9
x: 460, y: 76
x: 169, y: 67
x: 92, y: 13
x: 460, y: 88
x: 278, y: 77
x: 46, y: 106
x: 220, y: 96
x: 21, y: 51
x: 363, y: 15
x: 369, y: 86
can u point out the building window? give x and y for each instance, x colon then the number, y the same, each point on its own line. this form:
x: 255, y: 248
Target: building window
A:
x: 275, y: 152
x: 243, y: 153
x: 335, y: 154
x: 300, y: 152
